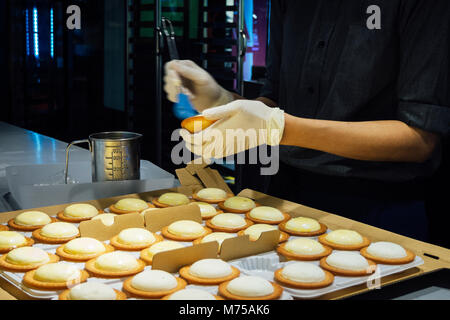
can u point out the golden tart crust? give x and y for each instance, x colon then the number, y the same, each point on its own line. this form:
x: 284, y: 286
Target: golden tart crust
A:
x: 19, y: 227
x: 329, y: 278
x: 81, y: 257
x: 29, y: 242
x: 366, y: 242
x: 120, y: 246
x: 119, y: 295
x: 277, y: 292
x: 3, y: 228
x: 29, y: 280
x: 410, y: 256
x: 348, y: 273
x: 25, y: 268
x: 184, y: 273
x: 215, y: 296
x: 38, y: 236
x: 181, y: 284
x: 90, y: 266
x: 303, y: 257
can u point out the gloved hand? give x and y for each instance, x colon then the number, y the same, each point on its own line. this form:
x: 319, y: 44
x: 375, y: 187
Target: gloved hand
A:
x: 203, y: 91
x: 241, y: 125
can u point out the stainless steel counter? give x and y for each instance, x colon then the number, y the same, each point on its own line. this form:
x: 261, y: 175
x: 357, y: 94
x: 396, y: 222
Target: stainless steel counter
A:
x: 22, y: 147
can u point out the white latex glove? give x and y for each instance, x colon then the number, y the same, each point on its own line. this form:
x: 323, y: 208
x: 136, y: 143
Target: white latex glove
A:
x: 187, y: 77
x: 241, y: 125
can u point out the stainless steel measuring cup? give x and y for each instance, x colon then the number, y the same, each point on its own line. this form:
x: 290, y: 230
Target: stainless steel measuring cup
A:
x: 115, y: 156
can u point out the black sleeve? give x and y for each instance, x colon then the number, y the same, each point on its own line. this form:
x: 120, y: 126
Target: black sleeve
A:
x: 272, y: 82
x: 424, y: 74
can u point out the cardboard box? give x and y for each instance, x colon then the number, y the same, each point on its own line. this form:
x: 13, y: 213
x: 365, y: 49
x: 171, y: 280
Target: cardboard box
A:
x: 195, y: 177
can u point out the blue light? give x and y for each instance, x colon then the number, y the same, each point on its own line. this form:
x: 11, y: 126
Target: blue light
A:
x: 36, y: 33
x: 27, y: 31
x: 52, y: 36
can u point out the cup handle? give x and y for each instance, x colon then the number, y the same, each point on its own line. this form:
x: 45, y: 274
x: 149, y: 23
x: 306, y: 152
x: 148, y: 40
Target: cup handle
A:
x: 66, y: 171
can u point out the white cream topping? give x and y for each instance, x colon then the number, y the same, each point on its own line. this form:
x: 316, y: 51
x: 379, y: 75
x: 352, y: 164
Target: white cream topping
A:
x: 92, y: 291
x: 303, y: 272
x: 212, y: 194
x: 206, y: 209
x: 174, y: 199
x: 84, y: 246
x: 136, y: 236
x: 59, y: 230
x: 148, y: 210
x: 302, y: 224
x: 81, y: 210
x: 11, y: 239
x: 116, y: 261
x: 267, y: 214
x: 210, y: 269
x: 217, y: 236
x: 154, y: 281
x: 106, y: 218
x: 191, y: 294
x: 131, y: 204
x: 57, y: 272
x: 344, y: 237
x: 255, y: 230
x: 239, y: 203
x: 228, y: 220
x: 186, y: 228
x: 347, y: 261
x: 32, y: 218
x: 386, y: 250
x: 248, y: 286
x: 304, y: 246
x: 27, y: 256
x: 162, y: 246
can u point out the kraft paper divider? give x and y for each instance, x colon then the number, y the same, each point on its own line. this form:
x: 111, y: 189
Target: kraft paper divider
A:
x: 97, y: 230
x: 171, y: 261
x: 206, y: 177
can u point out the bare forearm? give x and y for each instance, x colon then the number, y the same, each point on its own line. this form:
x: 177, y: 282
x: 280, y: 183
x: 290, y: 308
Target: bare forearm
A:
x: 371, y: 141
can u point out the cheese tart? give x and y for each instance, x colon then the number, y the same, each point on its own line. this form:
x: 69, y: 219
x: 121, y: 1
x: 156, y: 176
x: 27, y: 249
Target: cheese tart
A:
x: 153, y: 284
x: 25, y: 259
x: 207, y: 210
x: 130, y: 205
x: 267, y: 215
x: 55, y: 276
x: 388, y: 253
x: 303, y: 227
x: 134, y: 239
x: 254, y: 232
x: 347, y: 263
x: 83, y: 249
x: 56, y: 233
x: 185, y: 230
x: 10, y: 240
x: 250, y: 288
x: 211, y: 195
x: 237, y: 205
x: 91, y: 291
x: 166, y: 245
x: 115, y: 265
x: 192, y: 294
x: 220, y: 237
x: 304, y: 249
x: 171, y: 199
x: 30, y: 221
x: 228, y: 222
x: 344, y: 240
x: 209, y: 272
x: 302, y: 275
x: 78, y: 212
